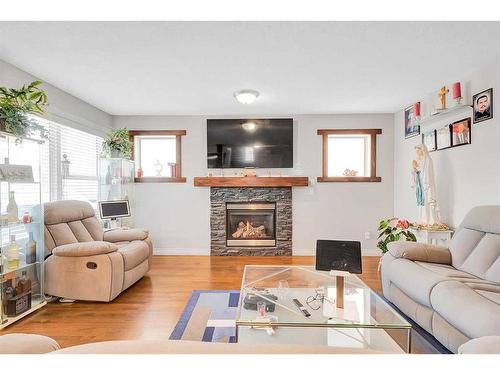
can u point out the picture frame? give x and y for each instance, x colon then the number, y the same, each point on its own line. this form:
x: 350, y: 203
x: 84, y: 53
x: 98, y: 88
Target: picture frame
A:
x: 16, y: 173
x: 461, y: 132
x: 443, y: 137
x: 429, y: 140
x: 482, y: 105
x: 411, y: 124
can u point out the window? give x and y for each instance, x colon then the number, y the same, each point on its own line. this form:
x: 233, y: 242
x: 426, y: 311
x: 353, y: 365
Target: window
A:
x: 157, y: 155
x: 69, y: 164
x: 349, y: 155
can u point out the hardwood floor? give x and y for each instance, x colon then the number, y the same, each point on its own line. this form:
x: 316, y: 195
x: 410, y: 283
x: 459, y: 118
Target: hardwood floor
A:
x: 151, y: 308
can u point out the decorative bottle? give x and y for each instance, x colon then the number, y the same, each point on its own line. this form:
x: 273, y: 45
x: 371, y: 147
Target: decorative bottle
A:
x: 24, y: 283
x: 31, y: 250
x: 13, y: 253
x: 12, y: 210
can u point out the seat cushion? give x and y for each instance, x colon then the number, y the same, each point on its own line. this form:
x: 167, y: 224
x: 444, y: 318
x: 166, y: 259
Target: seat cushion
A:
x: 134, y: 253
x: 469, y: 306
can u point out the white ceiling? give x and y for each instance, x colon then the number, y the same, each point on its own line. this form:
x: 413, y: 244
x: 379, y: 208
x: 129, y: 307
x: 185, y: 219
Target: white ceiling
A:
x: 188, y: 68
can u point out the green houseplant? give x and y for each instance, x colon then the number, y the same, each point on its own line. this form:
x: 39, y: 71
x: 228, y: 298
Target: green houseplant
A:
x: 15, y: 107
x: 393, y: 229
x: 117, y: 143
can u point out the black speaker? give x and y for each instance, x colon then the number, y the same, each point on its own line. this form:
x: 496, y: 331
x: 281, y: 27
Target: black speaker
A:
x: 338, y: 256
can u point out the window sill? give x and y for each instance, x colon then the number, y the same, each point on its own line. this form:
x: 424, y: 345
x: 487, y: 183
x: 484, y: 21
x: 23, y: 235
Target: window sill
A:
x: 160, y: 179
x: 349, y: 179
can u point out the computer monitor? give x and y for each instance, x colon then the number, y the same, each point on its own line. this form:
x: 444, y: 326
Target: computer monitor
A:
x: 338, y: 256
x: 114, y: 209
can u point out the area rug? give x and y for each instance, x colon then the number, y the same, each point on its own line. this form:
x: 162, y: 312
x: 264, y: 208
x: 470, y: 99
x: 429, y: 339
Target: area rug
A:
x: 210, y: 316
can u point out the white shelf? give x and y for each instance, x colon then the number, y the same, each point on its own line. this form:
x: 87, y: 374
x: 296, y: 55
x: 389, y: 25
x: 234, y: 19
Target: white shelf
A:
x: 447, y: 113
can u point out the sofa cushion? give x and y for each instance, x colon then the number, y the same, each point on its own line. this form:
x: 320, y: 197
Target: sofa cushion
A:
x: 473, y: 313
x: 484, y: 261
x: 463, y: 244
x: 22, y: 343
x: 414, y: 280
x: 134, y: 253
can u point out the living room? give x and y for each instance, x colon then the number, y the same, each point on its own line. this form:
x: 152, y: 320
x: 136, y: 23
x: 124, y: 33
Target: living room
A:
x: 249, y: 187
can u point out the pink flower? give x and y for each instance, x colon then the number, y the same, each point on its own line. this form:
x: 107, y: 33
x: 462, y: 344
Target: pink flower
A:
x: 403, y: 224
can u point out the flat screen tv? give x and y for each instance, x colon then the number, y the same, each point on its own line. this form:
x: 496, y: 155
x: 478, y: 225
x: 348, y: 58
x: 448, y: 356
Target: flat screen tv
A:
x: 242, y: 143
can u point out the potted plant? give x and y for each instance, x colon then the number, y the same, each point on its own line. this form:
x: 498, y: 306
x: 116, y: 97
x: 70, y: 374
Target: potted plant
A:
x: 393, y: 229
x: 117, y: 144
x: 15, y: 107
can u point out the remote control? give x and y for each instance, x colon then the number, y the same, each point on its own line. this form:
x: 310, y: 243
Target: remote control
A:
x: 301, y: 308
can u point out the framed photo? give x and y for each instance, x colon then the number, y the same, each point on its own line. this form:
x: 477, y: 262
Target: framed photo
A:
x: 483, y: 106
x: 460, y: 132
x: 16, y: 173
x: 443, y: 137
x: 412, y: 126
x: 429, y: 140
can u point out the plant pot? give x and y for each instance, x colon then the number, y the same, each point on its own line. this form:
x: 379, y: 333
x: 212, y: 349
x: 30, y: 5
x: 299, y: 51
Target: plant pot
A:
x: 116, y: 154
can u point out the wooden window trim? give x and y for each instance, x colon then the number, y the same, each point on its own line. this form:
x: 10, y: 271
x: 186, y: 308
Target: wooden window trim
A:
x: 178, y: 157
x: 373, y: 155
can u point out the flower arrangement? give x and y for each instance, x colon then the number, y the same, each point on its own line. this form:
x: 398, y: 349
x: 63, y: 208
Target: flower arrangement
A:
x: 394, y: 229
x: 17, y: 104
x: 118, y: 143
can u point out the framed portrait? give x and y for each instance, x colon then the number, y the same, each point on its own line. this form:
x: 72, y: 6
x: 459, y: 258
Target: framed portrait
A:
x: 483, y: 105
x: 443, y: 137
x: 412, y: 126
x: 460, y: 132
x: 429, y: 140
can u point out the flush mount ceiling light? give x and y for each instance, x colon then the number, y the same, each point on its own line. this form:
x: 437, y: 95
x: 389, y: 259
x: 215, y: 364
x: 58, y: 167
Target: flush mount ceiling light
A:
x: 246, y: 96
x: 249, y: 126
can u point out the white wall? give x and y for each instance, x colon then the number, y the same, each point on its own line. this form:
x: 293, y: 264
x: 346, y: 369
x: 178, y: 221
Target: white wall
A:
x: 63, y: 107
x: 466, y: 176
x: 178, y: 214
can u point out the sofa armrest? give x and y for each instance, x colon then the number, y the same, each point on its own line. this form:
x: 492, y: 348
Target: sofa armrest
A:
x: 481, y: 345
x: 22, y: 343
x: 119, y: 235
x: 84, y: 249
x: 418, y: 251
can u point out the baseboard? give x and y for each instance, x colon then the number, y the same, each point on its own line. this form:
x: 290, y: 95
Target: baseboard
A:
x: 295, y: 252
x: 170, y: 251
x: 312, y: 252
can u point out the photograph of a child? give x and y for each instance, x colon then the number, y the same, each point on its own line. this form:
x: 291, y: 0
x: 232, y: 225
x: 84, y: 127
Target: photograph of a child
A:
x: 483, y: 105
x: 412, y: 126
x: 460, y: 132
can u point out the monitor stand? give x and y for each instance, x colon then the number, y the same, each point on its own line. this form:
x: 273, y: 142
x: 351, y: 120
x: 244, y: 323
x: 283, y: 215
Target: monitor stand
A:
x: 114, y: 223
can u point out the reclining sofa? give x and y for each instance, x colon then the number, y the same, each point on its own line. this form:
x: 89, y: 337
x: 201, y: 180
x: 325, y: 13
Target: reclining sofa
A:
x: 83, y: 262
x: 453, y: 293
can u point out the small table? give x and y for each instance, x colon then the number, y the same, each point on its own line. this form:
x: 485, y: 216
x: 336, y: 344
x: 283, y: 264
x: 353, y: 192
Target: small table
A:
x: 433, y: 237
x: 366, y: 321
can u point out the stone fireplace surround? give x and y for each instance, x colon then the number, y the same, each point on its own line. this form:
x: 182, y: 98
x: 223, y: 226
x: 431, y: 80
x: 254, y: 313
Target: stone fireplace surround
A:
x: 283, y: 198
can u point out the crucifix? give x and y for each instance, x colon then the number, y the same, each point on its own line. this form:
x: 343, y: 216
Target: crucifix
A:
x: 442, y: 96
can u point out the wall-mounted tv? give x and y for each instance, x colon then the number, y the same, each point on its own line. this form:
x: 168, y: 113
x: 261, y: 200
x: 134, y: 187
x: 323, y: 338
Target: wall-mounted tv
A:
x: 258, y: 143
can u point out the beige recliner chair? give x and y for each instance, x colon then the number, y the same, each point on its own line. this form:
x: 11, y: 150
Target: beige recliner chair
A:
x: 85, y: 263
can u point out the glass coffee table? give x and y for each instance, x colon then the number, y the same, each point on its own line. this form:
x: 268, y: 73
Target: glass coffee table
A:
x: 267, y: 313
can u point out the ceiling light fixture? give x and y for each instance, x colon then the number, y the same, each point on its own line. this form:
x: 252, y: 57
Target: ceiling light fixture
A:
x: 246, y: 96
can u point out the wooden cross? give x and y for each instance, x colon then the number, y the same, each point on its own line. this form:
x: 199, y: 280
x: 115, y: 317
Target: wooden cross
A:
x: 442, y: 95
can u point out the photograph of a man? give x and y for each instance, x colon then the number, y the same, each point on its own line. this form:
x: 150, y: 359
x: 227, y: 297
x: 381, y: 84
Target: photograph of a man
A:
x: 483, y: 105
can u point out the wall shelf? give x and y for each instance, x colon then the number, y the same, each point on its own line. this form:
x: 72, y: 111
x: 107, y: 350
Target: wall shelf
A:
x: 449, y: 112
x: 251, y: 181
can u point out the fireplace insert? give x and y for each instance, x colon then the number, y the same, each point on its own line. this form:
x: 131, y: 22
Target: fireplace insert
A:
x: 251, y: 224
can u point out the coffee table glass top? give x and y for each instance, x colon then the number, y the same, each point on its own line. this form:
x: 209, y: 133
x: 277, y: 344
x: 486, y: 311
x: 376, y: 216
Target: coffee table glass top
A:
x: 277, y: 286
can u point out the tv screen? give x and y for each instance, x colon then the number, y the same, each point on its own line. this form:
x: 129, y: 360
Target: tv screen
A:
x: 262, y: 143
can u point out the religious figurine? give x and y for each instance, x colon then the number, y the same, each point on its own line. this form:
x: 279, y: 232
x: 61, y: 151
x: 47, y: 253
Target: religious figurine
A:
x: 442, y: 95
x: 425, y: 187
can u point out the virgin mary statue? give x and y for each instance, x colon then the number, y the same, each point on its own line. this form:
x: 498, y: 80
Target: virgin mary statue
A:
x: 425, y: 186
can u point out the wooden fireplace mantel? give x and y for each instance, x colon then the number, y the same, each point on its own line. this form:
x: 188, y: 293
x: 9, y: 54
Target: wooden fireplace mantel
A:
x: 289, y: 181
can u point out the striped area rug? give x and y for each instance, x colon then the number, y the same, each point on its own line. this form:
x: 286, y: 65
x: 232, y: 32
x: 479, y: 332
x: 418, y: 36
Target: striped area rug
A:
x: 208, y: 316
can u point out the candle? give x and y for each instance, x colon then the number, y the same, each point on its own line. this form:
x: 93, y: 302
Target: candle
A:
x: 416, y: 109
x: 456, y: 90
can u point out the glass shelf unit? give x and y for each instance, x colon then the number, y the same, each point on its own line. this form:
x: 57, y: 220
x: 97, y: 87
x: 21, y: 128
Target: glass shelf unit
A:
x: 21, y: 230
x: 116, y: 182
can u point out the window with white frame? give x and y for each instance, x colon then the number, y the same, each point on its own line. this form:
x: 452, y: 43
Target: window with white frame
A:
x: 69, y: 164
x: 349, y: 155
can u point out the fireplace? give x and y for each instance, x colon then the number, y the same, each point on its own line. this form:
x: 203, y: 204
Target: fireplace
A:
x: 250, y: 224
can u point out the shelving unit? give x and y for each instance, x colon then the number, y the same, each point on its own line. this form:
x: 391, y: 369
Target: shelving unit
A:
x: 21, y: 282
x: 116, y: 182
x: 447, y: 113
